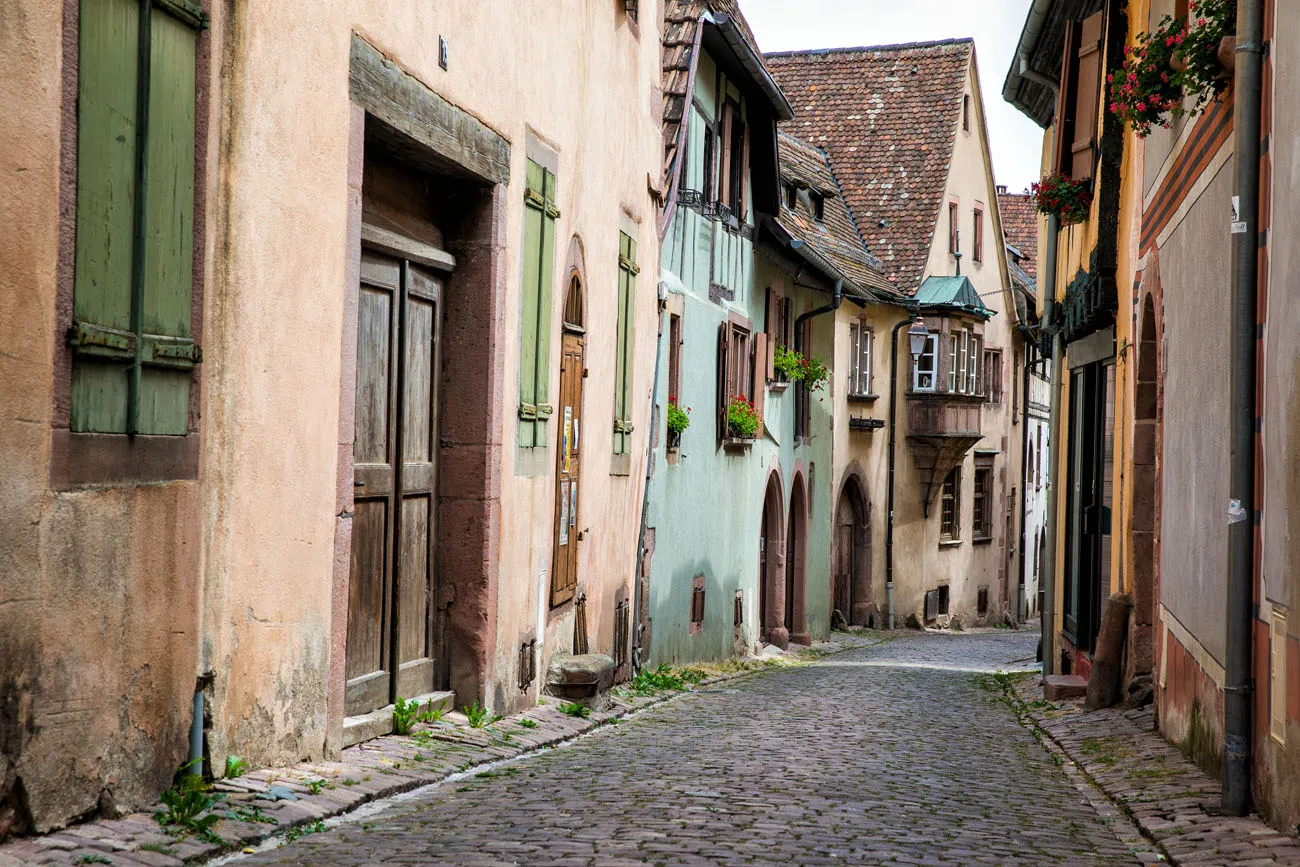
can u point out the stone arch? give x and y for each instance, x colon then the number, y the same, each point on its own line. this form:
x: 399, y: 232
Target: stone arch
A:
x: 851, y: 590
x: 771, y: 565
x: 1144, y: 524
x: 796, y: 566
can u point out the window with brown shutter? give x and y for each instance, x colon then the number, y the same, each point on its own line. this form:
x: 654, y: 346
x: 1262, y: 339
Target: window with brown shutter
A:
x: 739, y: 373
x: 952, y: 227
x: 1077, y: 112
x: 977, y: 253
x: 674, y: 358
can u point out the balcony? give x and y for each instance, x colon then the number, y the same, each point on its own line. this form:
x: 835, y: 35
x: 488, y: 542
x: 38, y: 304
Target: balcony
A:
x: 941, y: 429
x: 934, y: 414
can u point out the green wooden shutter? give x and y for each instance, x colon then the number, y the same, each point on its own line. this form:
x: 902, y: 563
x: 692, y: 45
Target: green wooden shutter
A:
x: 535, y: 328
x: 131, y: 338
x: 627, y: 271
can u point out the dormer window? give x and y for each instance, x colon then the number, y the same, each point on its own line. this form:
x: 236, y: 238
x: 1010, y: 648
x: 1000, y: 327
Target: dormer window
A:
x: 817, y: 205
x: 792, y: 196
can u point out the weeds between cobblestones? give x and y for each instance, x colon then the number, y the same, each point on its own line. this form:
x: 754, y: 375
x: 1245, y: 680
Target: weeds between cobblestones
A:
x: 288, y: 803
x: 1168, y: 797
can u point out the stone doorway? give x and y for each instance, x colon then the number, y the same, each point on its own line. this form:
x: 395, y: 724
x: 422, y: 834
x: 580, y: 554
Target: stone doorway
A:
x: 771, y: 568
x: 851, y: 592
x: 796, y: 556
x: 1146, y: 494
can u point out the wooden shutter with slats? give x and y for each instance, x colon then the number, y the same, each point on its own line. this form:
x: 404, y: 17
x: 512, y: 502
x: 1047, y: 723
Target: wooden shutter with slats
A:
x: 762, y: 359
x: 724, y: 346
x: 1087, y: 97
x: 627, y: 271
x: 132, y: 338
x: 540, y: 214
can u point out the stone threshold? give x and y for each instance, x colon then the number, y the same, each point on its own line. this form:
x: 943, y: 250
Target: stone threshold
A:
x: 1173, y: 803
x: 269, y: 803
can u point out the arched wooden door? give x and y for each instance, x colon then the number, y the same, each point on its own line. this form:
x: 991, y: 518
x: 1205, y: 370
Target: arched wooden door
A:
x: 564, y: 578
x: 771, y: 569
x: 796, y: 550
x: 851, y: 593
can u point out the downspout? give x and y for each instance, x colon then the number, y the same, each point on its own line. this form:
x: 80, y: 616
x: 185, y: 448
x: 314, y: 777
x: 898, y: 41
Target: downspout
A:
x: 893, y: 427
x: 1237, y: 686
x: 1048, y: 579
x: 635, y: 626
x: 1024, y: 493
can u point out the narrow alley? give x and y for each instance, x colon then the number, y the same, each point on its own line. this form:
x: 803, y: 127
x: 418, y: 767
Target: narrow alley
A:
x: 896, y: 753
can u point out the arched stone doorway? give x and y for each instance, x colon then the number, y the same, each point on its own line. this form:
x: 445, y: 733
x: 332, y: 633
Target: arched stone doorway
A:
x: 796, y: 556
x: 771, y: 568
x: 851, y: 591
x: 1146, y: 492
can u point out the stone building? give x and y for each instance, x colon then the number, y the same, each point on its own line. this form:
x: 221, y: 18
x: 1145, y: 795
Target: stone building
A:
x: 914, y: 172
x: 330, y: 379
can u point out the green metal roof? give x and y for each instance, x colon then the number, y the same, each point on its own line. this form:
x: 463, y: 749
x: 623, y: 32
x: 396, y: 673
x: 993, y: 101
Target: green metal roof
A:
x: 951, y: 293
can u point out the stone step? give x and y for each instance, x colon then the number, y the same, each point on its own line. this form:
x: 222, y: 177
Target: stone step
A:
x: 1059, y: 687
x: 377, y: 723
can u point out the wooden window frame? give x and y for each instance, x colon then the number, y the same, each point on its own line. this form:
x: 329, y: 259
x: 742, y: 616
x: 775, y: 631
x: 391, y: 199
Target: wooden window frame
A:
x: 742, y: 366
x: 953, y: 229
x: 931, y: 351
x: 950, y: 507
x: 991, y: 381
x: 977, y: 242
x: 78, y: 458
x: 973, y: 358
x: 674, y: 357
x: 1079, y: 98
x: 861, y: 347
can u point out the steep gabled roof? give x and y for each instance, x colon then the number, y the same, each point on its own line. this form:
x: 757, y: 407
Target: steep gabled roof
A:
x: 682, y: 21
x: 835, y: 237
x: 1020, y: 224
x: 887, y: 116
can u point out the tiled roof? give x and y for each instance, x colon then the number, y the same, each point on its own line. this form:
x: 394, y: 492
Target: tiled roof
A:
x: 1020, y: 225
x: 887, y: 116
x: 681, y: 23
x: 834, y: 237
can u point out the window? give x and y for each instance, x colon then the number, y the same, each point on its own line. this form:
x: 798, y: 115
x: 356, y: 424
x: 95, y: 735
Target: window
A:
x: 742, y: 362
x: 792, y: 196
x: 631, y: 8
x: 923, y: 371
x: 944, y: 600
x: 991, y: 386
x: 952, y: 228
x: 708, y: 192
x: 817, y: 205
x: 802, y: 395
x: 674, y: 357
x: 623, y: 363
x: 735, y: 159
x: 133, y: 351
x: 1079, y: 98
x: 540, y: 214
x: 977, y: 251
x: 860, y: 337
x: 950, y: 507
x: 954, y: 343
x: 982, y: 509
x: 973, y: 369
x: 738, y: 612
x: 965, y: 112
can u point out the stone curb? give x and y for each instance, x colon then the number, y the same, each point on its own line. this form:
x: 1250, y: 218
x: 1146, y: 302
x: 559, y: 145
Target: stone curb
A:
x: 1168, y: 797
x: 271, y: 803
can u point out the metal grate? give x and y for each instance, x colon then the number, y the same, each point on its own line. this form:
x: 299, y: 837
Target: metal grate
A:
x: 738, y: 615
x: 527, y: 664
x: 697, y: 604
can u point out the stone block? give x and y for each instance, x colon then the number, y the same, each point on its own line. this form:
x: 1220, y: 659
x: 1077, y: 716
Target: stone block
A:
x: 1062, y: 687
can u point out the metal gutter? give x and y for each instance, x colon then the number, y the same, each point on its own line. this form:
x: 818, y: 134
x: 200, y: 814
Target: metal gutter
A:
x: 1047, y: 580
x: 752, y: 63
x: 1020, y: 68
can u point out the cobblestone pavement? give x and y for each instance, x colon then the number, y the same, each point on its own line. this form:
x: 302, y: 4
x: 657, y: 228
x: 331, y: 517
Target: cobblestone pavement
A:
x: 891, y: 754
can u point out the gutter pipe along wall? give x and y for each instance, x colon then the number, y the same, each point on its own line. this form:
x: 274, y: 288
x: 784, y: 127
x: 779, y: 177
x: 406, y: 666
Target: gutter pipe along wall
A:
x: 1050, y: 316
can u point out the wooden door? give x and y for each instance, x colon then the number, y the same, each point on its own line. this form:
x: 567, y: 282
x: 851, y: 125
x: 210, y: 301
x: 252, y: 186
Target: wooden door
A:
x: 392, y: 643
x: 564, y: 578
x: 763, y: 576
x: 845, y: 561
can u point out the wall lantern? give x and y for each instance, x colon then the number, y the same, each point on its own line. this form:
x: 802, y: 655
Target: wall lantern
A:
x: 917, y: 334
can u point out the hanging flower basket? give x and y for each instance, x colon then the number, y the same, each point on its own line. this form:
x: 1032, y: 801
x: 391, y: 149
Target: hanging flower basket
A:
x: 1182, y: 59
x: 792, y: 366
x: 1063, y: 197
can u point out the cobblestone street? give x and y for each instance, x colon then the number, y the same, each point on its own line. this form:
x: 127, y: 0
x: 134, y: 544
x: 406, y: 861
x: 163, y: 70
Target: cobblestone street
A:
x: 890, y: 754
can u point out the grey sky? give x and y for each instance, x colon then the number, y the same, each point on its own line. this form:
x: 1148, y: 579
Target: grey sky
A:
x: 790, y: 25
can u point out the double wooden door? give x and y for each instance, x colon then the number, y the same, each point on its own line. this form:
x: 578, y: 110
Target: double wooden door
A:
x: 394, y: 645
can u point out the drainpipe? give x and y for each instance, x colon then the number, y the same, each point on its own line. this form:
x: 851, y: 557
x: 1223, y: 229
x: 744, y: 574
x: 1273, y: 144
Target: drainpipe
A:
x: 893, y: 428
x: 635, y: 626
x: 195, y: 763
x: 1048, y: 577
x: 1237, y: 685
x: 1024, y: 489
x: 837, y: 297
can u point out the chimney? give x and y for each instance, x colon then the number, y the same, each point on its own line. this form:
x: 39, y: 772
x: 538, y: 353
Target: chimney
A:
x: 1002, y: 189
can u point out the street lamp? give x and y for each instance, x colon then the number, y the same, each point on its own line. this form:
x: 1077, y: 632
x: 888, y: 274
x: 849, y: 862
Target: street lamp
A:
x: 917, y: 334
